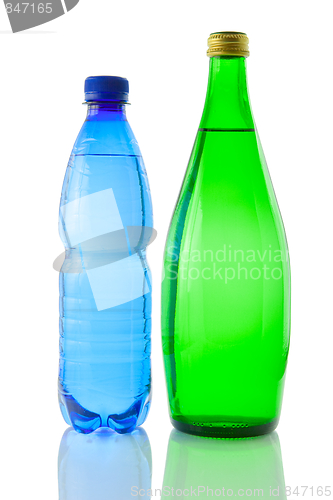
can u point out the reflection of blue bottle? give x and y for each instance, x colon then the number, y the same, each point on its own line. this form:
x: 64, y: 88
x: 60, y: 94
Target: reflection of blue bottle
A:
x: 227, y: 468
x: 104, y: 465
x: 105, y: 288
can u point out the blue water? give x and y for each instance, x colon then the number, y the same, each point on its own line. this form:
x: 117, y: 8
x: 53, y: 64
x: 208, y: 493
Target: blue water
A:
x: 105, y: 293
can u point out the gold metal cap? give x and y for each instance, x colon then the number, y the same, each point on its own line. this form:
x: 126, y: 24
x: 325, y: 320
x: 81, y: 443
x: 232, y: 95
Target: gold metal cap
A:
x: 228, y: 43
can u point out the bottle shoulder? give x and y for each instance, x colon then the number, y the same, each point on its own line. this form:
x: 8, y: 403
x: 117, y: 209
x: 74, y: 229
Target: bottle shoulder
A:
x: 106, y: 138
x: 227, y: 187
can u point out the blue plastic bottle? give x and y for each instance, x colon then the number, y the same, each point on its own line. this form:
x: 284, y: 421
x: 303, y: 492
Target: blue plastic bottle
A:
x: 105, y: 223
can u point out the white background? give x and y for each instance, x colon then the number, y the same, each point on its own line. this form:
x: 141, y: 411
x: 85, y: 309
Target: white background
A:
x: 160, y: 47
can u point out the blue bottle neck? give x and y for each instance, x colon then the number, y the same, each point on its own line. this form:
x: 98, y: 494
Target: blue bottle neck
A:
x: 106, y: 131
x: 106, y: 111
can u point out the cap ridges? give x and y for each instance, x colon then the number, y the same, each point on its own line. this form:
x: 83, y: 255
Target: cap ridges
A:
x: 228, y: 43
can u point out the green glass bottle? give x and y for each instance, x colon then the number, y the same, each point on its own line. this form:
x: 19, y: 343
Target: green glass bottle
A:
x: 226, y: 286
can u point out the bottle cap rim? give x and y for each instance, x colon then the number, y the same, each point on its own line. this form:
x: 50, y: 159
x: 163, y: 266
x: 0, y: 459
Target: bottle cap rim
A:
x: 228, y: 43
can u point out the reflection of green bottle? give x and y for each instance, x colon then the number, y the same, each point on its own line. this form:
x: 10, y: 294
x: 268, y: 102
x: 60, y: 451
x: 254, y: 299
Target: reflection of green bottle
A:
x: 224, y: 468
x: 226, y: 287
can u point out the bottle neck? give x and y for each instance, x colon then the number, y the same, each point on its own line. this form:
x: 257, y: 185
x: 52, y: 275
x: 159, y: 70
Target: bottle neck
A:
x: 227, y: 104
x: 106, y: 111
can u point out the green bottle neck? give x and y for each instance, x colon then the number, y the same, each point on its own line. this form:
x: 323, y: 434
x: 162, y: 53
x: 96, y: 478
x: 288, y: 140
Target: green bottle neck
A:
x: 227, y: 104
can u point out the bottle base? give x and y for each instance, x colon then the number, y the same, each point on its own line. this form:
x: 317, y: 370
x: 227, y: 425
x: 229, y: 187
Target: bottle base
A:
x: 85, y: 421
x: 226, y: 429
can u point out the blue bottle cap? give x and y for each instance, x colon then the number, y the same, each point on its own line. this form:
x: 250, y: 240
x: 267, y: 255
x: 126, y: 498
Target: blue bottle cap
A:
x: 106, y: 88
